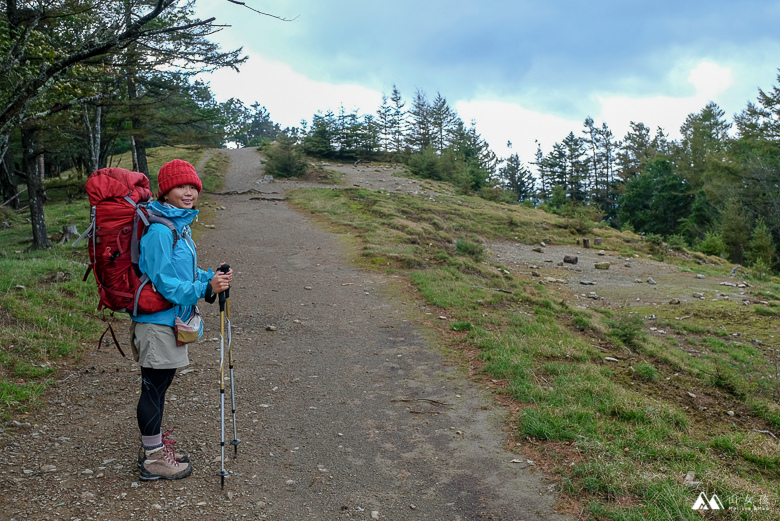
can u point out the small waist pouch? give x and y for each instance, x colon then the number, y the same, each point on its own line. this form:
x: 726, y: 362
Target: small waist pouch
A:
x: 189, y: 330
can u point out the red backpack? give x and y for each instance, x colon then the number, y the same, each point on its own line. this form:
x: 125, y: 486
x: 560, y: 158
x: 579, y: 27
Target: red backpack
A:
x: 120, y: 217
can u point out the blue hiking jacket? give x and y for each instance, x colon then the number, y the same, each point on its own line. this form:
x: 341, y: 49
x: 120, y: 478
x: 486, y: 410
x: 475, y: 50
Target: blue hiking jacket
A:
x: 173, y: 271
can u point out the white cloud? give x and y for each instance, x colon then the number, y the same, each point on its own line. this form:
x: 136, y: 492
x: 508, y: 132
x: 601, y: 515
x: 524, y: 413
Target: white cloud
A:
x: 710, y: 79
x: 288, y: 95
x: 501, y: 121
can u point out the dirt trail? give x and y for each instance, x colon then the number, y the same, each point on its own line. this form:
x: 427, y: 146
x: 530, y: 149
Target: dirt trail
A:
x: 345, y: 411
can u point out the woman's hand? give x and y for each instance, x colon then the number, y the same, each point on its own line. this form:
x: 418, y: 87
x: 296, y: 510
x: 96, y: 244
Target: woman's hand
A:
x: 221, y: 281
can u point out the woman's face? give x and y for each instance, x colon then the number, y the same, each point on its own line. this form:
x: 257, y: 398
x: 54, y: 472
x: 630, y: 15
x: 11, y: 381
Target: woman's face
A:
x: 182, y: 196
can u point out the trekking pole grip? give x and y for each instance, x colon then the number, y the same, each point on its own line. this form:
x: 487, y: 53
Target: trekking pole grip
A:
x: 223, y: 296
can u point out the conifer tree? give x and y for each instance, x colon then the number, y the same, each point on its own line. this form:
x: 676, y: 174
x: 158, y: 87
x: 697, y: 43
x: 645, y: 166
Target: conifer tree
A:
x: 635, y: 152
x: 591, y: 141
x: 369, y: 137
x: 517, y: 178
x: 420, y: 134
x: 761, y: 248
x: 735, y: 230
x: 575, y: 169
x: 543, y: 174
x: 398, y: 121
x: 443, y: 120
x: 383, y: 121
x: 704, y: 143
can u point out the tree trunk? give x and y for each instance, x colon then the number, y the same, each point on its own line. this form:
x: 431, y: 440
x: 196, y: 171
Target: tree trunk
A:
x: 36, y: 193
x: 140, y: 156
x: 139, y: 149
x: 7, y: 184
x: 42, y: 170
x: 93, y: 137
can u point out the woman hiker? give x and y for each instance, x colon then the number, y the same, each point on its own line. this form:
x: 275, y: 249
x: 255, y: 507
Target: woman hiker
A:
x: 172, y: 268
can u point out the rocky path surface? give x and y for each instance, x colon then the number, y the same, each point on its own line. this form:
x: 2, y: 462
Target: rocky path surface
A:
x: 344, y: 409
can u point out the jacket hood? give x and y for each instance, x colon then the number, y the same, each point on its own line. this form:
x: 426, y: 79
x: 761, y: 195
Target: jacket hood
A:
x: 180, y: 216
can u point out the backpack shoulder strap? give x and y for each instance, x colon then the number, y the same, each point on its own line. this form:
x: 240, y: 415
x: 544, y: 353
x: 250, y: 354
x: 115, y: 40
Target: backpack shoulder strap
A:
x: 156, y: 217
x: 150, y: 218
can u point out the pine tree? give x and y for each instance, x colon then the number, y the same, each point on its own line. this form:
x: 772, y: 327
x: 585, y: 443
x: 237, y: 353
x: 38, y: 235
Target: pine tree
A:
x: 517, y: 178
x: 735, y: 230
x: 704, y: 143
x: 398, y: 122
x: 420, y: 123
x: 591, y: 141
x: 260, y: 126
x: 319, y: 142
x: 369, y: 136
x: 543, y: 174
x: 575, y: 169
x: 443, y: 120
x: 761, y: 120
x: 635, y: 152
x: 384, y: 118
x: 285, y: 158
x: 655, y: 200
x: 761, y: 248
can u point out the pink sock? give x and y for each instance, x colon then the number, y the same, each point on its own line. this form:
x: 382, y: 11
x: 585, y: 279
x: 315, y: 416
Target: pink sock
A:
x: 152, y: 442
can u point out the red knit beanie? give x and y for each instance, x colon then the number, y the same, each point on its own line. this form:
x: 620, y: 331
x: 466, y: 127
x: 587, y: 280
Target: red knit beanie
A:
x: 176, y: 173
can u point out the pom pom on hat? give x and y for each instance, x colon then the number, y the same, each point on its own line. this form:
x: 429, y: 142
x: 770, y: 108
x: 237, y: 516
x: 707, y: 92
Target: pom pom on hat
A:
x: 176, y: 173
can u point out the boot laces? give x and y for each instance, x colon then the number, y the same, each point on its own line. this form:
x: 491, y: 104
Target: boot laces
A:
x: 168, y: 452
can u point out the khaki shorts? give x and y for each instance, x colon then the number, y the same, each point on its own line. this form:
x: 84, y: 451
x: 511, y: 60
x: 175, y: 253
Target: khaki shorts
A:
x: 154, y: 346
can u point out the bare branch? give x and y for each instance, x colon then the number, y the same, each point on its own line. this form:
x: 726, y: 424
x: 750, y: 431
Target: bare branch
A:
x: 175, y: 29
x: 262, y: 13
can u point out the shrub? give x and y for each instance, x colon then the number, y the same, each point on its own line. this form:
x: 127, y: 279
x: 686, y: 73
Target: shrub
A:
x: 761, y: 249
x: 712, y: 244
x: 627, y: 329
x: 284, y: 158
x: 759, y: 270
x: 676, y: 242
x: 497, y: 195
x: 581, y: 221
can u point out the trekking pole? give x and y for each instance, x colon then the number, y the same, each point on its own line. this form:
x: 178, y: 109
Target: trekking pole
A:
x: 222, y: 305
x: 235, y: 441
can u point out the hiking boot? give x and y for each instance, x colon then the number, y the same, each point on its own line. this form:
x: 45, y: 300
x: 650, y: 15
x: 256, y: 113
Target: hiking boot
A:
x: 159, y: 464
x: 167, y: 442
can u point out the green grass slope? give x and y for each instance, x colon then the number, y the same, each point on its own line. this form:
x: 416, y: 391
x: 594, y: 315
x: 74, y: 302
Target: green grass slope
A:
x: 621, y: 438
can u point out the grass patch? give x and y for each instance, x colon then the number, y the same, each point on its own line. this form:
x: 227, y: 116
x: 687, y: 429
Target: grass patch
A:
x: 466, y: 247
x: 646, y: 371
x: 214, y: 170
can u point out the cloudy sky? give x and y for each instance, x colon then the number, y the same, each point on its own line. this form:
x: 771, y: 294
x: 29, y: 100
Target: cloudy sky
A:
x: 524, y: 70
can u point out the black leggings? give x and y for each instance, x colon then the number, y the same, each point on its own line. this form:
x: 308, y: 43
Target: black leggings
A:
x: 154, y: 383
